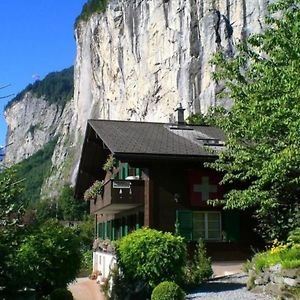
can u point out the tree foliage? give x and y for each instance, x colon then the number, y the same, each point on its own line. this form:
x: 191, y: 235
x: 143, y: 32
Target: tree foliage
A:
x: 49, y: 258
x: 71, y: 208
x: 209, y: 119
x: 11, y: 212
x: 91, y: 7
x: 262, y: 157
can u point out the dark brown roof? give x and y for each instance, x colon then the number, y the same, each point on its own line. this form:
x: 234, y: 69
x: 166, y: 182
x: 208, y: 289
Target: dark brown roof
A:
x: 145, y: 138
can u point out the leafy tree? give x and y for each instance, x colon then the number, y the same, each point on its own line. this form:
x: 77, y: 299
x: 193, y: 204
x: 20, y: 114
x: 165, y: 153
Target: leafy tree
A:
x: 87, y: 231
x: 209, y: 119
x: 71, y: 208
x: 11, y: 212
x: 46, y: 209
x: 262, y: 157
x: 49, y: 258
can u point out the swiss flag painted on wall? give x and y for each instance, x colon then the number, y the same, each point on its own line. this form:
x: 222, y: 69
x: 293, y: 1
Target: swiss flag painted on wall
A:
x: 204, y: 185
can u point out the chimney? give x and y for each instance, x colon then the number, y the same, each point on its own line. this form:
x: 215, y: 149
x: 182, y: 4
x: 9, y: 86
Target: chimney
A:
x: 180, y: 114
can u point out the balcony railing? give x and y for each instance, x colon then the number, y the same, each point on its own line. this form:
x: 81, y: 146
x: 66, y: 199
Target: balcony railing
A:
x: 119, y: 195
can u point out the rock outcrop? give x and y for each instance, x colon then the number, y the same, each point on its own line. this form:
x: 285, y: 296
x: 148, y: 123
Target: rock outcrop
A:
x: 32, y: 122
x: 140, y: 58
x: 137, y: 61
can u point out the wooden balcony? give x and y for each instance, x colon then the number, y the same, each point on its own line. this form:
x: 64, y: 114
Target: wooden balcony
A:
x: 118, y: 196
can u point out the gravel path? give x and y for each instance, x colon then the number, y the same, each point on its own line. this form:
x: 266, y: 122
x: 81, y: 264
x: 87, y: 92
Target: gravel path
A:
x: 231, y: 287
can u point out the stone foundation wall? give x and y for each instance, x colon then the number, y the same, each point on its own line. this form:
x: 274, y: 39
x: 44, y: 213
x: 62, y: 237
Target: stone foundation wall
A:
x: 276, y: 281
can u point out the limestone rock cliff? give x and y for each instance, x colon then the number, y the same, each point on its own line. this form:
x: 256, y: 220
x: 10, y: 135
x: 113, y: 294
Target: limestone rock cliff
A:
x: 32, y: 122
x: 140, y: 58
x: 137, y: 61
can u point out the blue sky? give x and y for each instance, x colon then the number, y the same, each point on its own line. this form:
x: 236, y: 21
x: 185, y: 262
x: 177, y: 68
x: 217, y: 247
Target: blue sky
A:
x: 37, y: 37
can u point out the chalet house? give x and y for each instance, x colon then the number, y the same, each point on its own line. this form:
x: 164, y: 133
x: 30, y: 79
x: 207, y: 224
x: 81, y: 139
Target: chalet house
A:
x: 159, y: 180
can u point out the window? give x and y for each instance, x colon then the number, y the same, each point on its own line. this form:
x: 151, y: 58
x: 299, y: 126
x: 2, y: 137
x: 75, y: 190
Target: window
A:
x: 199, y: 224
x: 206, y: 225
x: 126, y: 170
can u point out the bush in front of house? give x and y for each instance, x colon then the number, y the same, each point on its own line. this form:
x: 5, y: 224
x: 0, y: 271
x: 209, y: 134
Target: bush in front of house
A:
x: 151, y: 256
x: 61, y: 294
x: 198, y: 269
x: 145, y: 258
x: 168, y: 290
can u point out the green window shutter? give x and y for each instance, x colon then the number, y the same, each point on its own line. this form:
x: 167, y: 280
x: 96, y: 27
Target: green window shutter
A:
x: 125, y: 229
x: 120, y: 231
x: 138, y: 172
x: 113, y: 232
x: 231, y: 225
x: 108, y: 233
x: 104, y: 230
x: 125, y: 170
x: 184, y: 220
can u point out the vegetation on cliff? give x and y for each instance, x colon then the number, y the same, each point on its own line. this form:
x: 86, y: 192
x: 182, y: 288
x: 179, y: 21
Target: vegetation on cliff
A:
x: 56, y: 87
x: 34, y: 170
x: 91, y: 7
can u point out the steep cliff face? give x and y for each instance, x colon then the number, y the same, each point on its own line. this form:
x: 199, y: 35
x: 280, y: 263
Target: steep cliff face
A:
x: 32, y: 122
x: 34, y: 116
x: 137, y: 61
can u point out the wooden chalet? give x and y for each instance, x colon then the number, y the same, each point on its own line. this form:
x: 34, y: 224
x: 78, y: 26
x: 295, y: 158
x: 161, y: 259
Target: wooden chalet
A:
x: 160, y: 180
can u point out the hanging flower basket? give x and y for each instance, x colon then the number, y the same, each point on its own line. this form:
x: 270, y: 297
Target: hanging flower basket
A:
x: 92, y: 192
x: 110, y: 163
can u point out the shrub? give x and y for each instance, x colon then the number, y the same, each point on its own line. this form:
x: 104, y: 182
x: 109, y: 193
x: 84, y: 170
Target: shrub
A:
x: 49, y: 258
x: 294, y: 237
x: 151, y: 256
x: 286, y: 255
x: 199, y: 268
x: 86, y: 262
x: 167, y: 291
x: 61, y: 294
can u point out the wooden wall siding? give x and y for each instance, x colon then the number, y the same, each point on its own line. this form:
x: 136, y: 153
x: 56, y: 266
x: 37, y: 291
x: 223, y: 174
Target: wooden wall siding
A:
x: 148, y: 198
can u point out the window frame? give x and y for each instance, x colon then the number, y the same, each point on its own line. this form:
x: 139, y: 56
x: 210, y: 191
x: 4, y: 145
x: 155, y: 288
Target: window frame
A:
x: 186, y: 220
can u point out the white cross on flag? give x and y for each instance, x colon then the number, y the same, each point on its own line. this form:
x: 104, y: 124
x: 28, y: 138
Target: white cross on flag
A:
x: 203, y: 186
